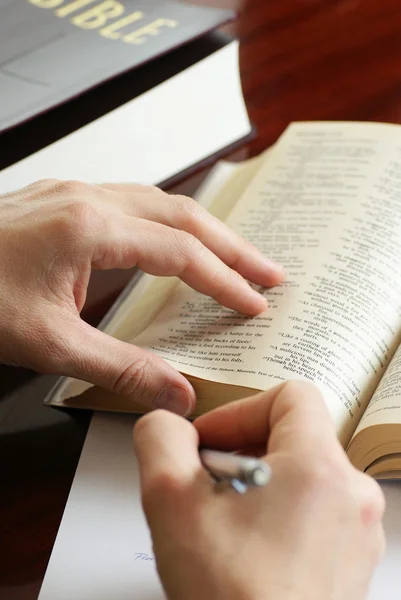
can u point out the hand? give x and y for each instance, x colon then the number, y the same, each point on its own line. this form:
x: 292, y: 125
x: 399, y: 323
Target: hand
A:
x: 52, y: 233
x: 313, y: 533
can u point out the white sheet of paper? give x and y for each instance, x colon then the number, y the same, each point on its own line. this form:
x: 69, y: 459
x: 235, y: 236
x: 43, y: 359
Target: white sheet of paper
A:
x: 386, y: 584
x: 203, y: 112
x: 103, y: 544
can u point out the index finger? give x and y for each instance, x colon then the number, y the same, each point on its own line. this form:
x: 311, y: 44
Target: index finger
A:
x: 288, y: 417
x: 164, y: 251
x: 181, y: 212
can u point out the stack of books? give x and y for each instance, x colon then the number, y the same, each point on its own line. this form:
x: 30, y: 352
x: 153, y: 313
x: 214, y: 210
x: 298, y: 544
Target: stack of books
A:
x: 133, y: 91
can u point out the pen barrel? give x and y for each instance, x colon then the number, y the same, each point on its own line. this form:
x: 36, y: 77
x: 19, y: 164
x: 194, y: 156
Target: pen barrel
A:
x: 224, y: 465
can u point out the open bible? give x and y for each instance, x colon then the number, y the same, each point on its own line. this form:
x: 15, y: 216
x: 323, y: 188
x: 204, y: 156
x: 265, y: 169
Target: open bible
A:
x: 324, y: 201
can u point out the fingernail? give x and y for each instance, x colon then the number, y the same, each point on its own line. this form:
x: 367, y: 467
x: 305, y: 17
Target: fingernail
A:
x: 260, y: 298
x: 272, y: 265
x: 175, y: 399
x: 259, y: 306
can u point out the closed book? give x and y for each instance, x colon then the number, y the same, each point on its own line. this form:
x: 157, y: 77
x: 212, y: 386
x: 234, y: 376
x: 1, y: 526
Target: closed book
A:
x: 151, y: 125
x: 54, y: 50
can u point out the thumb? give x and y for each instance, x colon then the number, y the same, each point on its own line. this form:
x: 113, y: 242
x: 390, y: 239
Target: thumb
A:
x: 124, y: 369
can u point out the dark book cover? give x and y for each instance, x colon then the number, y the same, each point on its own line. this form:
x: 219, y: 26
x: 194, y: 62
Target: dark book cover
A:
x: 58, y: 122
x: 54, y: 50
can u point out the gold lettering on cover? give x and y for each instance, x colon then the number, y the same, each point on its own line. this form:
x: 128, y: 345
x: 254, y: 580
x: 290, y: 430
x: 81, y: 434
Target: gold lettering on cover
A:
x: 110, y: 31
x: 139, y: 36
x: 46, y: 3
x: 69, y: 8
x: 98, y: 15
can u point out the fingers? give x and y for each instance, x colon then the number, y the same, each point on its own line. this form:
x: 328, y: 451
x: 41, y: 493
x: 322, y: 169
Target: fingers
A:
x: 187, y: 215
x: 167, y: 450
x: 161, y: 250
x: 288, y: 417
x: 83, y: 352
x: 100, y: 220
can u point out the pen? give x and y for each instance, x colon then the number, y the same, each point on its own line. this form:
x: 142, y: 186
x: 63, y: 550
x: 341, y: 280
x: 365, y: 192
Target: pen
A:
x: 239, y: 471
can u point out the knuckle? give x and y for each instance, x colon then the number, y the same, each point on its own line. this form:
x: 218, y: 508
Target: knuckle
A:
x: 43, y: 183
x: 190, y: 211
x: 235, y: 259
x: 78, y: 217
x: 144, y: 424
x: 372, y: 502
x: 70, y: 188
x: 154, y: 420
x: 133, y: 380
x: 329, y: 475
x: 306, y: 397
x: 36, y: 189
x: 80, y: 211
x: 221, y: 279
x: 189, y: 244
x: 189, y: 249
x: 48, y: 181
x: 164, y: 485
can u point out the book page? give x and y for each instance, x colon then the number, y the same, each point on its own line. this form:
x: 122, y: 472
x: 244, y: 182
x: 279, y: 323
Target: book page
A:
x: 385, y: 405
x: 103, y: 549
x: 326, y: 204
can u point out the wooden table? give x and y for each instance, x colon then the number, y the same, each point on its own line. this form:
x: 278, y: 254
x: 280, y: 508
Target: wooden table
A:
x: 300, y: 60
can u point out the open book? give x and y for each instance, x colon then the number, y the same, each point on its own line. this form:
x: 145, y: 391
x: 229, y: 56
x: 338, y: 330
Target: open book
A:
x: 325, y: 201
